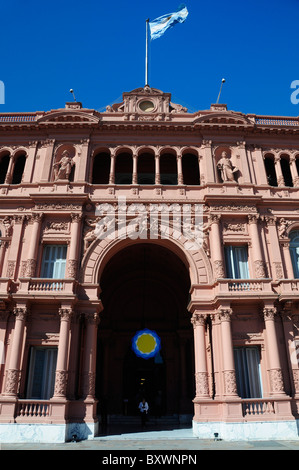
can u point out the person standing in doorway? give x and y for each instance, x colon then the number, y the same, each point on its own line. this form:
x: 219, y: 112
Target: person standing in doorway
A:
x: 143, y: 408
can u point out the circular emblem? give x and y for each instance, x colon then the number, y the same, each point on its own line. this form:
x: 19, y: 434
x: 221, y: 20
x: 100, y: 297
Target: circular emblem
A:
x: 146, y: 343
x: 147, y: 106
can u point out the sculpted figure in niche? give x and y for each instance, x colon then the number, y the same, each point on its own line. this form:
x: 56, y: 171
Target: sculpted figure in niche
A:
x: 62, y: 169
x: 227, y: 169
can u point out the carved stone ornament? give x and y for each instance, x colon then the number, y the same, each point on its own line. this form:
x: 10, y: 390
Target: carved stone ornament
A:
x: 230, y: 383
x: 12, y: 382
x: 30, y: 267
x: 276, y: 380
x: 89, y: 384
x: 61, y: 378
x: 202, y: 384
x: 259, y: 269
x: 198, y: 319
x: 72, y: 268
x: 218, y: 269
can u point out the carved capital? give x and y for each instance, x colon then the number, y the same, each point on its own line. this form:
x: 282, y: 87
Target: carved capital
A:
x: 65, y: 314
x: 198, y: 319
x: 269, y: 313
x: 21, y: 313
x: 92, y: 318
x: 225, y: 314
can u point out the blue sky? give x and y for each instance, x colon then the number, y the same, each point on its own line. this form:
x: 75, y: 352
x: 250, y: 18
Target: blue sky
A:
x: 98, y: 49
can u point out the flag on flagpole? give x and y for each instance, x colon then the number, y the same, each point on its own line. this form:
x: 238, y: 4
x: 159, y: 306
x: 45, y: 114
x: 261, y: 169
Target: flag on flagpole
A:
x: 161, y: 24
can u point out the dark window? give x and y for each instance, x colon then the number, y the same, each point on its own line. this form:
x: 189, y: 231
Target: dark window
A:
x: 270, y: 171
x: 123, y: 168
x: 285, y: 168
x: 190, y: 168
x: 146, y: 169
x: 4, y: 162
x: 101, y: 169
x: 168, y: 169
x: 18, y: 170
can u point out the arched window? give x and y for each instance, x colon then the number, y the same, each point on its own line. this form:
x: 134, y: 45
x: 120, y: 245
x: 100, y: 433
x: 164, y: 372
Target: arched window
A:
x: 101, y: 168
x: 190, y: 169
x: 168, y: 169
x: 294, y: 250
x: 4, y: 162
x: 123, y: 168
x: 18, y: 170
x: 270, y: 170
x: 146, y: 168
x: 286, y: 171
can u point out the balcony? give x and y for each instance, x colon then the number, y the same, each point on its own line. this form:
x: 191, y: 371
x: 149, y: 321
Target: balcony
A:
x: 243, y: 288
x: 47, y: 288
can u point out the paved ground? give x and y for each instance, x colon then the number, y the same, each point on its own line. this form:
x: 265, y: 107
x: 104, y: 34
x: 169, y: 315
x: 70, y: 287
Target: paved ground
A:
x: 152, y: 440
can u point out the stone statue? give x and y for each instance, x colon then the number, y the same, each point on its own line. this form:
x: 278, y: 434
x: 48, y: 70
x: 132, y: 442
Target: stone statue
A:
x: 62, y: 169
x: 226, y: 168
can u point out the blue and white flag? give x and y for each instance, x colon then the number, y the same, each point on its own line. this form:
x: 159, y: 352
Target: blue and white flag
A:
x: 161, y: 24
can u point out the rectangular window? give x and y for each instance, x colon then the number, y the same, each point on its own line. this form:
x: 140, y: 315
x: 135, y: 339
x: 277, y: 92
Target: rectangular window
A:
x: 41, y: 377
x: 247, y: 364
x: 54, y: 261
x: 294, y: 250
x: 236, y: 258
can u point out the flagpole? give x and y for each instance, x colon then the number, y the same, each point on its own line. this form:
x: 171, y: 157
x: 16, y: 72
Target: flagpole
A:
x: 146, y: 53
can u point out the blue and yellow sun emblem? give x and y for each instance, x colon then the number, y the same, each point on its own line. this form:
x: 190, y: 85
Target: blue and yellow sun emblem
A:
x: 146, y: 343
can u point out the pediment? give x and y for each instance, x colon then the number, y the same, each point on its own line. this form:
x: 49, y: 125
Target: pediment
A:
x: 223, y: 118
x: 71, y: 116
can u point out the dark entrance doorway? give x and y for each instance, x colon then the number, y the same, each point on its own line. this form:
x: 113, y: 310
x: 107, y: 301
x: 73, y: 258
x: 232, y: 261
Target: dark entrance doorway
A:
x: 145, y: 286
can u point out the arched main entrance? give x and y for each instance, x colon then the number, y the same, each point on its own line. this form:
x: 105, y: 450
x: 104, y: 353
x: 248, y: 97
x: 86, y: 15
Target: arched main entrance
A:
x: 145, y: 286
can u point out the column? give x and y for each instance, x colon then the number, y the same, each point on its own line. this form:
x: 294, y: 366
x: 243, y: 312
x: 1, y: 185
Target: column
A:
x: 112, y: 167
x: 81, y: 167
x: 13, y: 372
x: 135, y: 175
x: 275, y: 373
x: 157, y: 169
x: 180, y: 168
x: 258, y: 263
x: 61, y: 376
x: 74, y: 245
x: 244, y: 162
x: 275, y: 258
x: 259, y: 165
x: 201, y: 369
x: 90, y: 355
x: 9, y: 172
x: 229, y: 373
x: 294, y: 171
x: 216, y: 247
x: 210, y: 175
x: 279, y: 175
x: 34, y: 242
x: 47, y: 161
x: 15, y: 246
x: 29, y: 167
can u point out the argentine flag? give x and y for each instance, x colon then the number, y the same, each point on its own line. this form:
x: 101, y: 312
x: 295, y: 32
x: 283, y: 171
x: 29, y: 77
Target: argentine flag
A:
x: 161, y: 24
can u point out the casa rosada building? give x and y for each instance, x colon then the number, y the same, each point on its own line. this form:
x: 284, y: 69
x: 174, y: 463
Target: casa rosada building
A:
x: 74, y: 293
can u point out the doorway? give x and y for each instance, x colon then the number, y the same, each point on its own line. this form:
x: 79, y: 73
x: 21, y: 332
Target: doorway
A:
x: 145, y: 286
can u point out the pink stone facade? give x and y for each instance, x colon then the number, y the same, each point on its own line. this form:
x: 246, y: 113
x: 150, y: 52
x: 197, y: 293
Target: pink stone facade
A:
x: 56, y: 167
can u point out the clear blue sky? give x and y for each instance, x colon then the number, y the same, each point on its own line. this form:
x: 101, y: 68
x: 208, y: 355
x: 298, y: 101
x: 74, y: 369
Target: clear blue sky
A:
x: 98, y: 49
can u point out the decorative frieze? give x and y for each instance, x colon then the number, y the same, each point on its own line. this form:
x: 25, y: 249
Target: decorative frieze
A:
x: 201, y: 384
x: 230, y: 384
x: 61, y: 378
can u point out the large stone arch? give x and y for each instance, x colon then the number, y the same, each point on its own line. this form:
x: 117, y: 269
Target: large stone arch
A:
x: 101, y: 251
